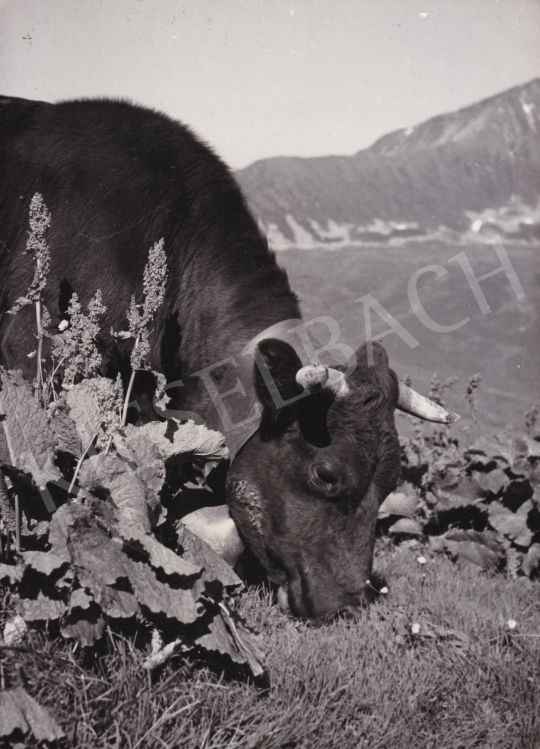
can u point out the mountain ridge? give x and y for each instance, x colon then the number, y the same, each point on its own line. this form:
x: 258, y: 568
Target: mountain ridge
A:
x: 458, y: 175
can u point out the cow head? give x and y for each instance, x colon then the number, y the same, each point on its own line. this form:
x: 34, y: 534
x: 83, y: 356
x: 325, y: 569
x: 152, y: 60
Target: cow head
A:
x: 305, y: 489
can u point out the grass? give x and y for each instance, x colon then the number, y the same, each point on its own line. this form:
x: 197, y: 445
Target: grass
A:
x: 465, y: 680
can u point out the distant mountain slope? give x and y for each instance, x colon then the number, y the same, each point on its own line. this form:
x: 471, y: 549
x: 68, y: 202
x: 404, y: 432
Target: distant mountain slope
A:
x: 454, y: 174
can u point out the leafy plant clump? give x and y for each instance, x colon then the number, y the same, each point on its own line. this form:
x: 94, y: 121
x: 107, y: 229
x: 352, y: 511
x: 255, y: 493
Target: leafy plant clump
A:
x: 478, y: 503
x: 81, y: 494
x: 97, y: 559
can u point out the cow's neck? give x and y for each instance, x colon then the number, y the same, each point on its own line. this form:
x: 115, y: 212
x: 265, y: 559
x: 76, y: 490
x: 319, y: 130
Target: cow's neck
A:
x: 229, y: 311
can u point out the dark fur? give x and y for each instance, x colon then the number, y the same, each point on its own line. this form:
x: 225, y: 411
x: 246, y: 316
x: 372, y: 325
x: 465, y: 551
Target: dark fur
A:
x: 117, y: 178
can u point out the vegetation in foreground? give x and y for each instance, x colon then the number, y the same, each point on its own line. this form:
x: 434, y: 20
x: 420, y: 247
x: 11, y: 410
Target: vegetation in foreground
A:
x: 448, y: 658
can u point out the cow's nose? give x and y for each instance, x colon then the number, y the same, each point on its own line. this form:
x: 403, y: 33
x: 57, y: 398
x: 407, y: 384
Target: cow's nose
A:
x: 353, y: 603
x: 325, y: 608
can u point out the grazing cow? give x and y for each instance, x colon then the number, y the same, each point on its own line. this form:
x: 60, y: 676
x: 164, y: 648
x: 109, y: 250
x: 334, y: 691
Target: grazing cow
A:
x: 311, y: 464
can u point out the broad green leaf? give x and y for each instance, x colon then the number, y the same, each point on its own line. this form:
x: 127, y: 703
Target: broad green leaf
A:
x: 485, y: 460
x: 127, y: 491
x: 493, y: 448
x: 80, y: 599
x: 511, y: 524
x: 126, y: 452
x: 533, y: 446
x: 142, y: 456
x: 12, y: 573
x: 68, y: 438
x: 450, y: 478
x: 83, y: 403
x: 20, y: 712
x: 160, y: 598
x: 86, y: 633
x: 173, y: 438
x: 99, y: 561
x: 492, y: 481
x: 29, y: 435
x: 470, y: 547
x: 231, y: 637
x: 450, y: 500
x: 406, y: 525
x: 487, y: 538
x: 248, y: 643
x: 41, y: 608
x: 158, y: 555
x: 398, y: 503
x: 511, y: 448
x: 475, y: 553
x: 123, y: 572
x: 44, y: 562
x: 461, y: 485
x: 196, y: 551
x: 118, y: 604
x: 525, y: 508
x: 76, y: 534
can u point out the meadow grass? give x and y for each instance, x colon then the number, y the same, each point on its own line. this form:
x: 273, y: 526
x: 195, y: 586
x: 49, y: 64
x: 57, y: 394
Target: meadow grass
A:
x: 466, y: 679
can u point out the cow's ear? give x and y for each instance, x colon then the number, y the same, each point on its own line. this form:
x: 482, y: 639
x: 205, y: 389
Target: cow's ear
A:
x: 277, y: 385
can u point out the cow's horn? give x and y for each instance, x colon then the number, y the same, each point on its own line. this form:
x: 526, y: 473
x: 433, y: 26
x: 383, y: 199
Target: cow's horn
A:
x: 318, y: 377
x: 413, y: 403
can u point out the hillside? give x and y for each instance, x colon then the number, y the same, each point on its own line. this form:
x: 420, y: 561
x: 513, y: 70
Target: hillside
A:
x: 454, y: 176
x: 501, y: 345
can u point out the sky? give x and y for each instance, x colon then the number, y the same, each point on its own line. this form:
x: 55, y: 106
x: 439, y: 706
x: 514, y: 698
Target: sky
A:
x: 262, y: 78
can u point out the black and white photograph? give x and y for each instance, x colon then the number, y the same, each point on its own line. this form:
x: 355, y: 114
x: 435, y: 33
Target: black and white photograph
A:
x: 270, y: 374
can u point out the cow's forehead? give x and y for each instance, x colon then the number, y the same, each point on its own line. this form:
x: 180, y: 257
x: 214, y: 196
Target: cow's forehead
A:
x: 242, y: 404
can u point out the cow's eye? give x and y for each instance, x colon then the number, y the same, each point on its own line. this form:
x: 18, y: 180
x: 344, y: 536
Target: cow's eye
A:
x: 324, y: 478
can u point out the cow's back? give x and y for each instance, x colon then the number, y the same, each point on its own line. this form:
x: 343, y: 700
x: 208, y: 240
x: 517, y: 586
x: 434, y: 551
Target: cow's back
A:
x: 116, y: 179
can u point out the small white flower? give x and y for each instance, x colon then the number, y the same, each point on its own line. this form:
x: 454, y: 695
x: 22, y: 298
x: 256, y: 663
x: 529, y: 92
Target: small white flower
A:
x: 384, y: 590
x: 368, y: 582
x: 415, y: 629
x: 32, y: 354
x: 63, y: 325
x: 421, y: 560
x: 512, y: 624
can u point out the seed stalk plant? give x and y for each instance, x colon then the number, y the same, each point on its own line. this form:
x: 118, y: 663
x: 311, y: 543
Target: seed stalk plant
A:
x: 40, y: 221
x: 140, y: 316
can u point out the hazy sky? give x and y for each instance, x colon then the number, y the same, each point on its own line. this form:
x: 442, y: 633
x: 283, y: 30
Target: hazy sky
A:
x: 259, y: 78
